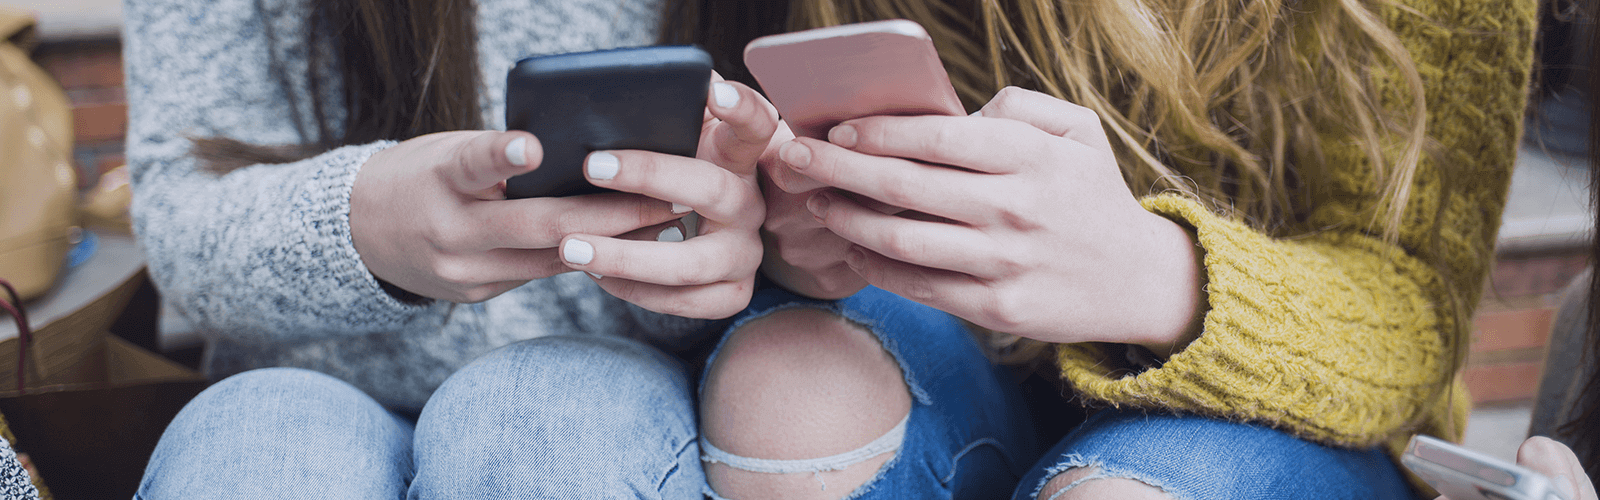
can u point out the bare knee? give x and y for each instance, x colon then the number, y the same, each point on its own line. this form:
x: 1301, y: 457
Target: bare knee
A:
x: 800, y: 384
x: 1097, y: 487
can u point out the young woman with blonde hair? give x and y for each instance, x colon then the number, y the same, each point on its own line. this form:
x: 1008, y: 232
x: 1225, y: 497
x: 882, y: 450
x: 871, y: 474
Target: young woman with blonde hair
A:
x: 1254, y: 232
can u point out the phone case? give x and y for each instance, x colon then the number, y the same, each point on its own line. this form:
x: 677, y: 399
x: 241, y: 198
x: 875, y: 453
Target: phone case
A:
x: 820, y: 77
x: 1463, y: 474
x: 649, y: 98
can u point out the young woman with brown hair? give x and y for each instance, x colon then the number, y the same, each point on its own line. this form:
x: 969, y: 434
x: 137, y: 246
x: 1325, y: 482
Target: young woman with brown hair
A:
x: 314, y: 193
x: 312, y: 196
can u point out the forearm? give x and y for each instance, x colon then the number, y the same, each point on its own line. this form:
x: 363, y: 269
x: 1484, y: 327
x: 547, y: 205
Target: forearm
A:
x: 263, y: 251
x: 1334, y: 336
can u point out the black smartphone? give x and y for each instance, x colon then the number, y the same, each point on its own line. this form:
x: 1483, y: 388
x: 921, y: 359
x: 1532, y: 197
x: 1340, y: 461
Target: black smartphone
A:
x: 649, y: 98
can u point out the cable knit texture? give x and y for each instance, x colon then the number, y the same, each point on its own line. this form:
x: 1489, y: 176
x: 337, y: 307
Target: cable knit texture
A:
x: 261, y: 259
x: 1332, y: 333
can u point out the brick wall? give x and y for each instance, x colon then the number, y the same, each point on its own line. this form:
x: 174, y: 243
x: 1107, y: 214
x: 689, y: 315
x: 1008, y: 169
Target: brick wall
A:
x: 1513, y: 325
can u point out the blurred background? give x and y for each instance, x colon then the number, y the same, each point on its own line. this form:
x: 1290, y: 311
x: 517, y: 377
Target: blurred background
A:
x: 1542, y: 242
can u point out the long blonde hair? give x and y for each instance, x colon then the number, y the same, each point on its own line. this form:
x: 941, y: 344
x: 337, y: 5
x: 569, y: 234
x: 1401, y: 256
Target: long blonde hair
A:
x: 1227, y: 101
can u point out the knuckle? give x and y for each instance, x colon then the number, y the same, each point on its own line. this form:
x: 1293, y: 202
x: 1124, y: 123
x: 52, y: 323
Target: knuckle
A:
x: 445, y: 234
x: 903, y: 241
x: 461, y: 161
x: 733, y: 198
x: 943, y: 142
x: 1008, y: 264
x: 1005, y: 100
x: 906, y: 191
x: 692, y: 275
x: 1007, y: 310
x: 565, y: 222
x: 917, y: 288
x: 1013, y: 211
x: 453, y: 271
x: 646, y: 211
x: 1082, y: 116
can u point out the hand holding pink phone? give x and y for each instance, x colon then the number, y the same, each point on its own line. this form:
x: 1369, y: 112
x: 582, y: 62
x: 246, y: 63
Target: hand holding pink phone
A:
x: 818, y: 78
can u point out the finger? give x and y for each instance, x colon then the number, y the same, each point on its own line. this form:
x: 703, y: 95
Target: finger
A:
x: 952, y: 292
x: 490, y: 272
x: 779, y: 174
x: 937, y: 245
x: 542, y: 222
x: 776, y: 172
x: 1054, y: 116
x: 717, y: 194
x: 672, y: 231
x: 937, y: 190
x: 746, y: 128
x: 710, y: 301
x: 1556, y: 461
x: 488, y: 158
x: 990, y: 145
x: 722, y: 256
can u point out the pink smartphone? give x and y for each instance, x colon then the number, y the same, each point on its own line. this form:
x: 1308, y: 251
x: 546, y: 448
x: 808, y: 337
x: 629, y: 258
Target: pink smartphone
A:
x: 820, y: 77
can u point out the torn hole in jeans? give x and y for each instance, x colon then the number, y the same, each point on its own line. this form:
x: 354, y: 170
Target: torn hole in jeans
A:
x: 889, y: 442
x: 1075, y: 461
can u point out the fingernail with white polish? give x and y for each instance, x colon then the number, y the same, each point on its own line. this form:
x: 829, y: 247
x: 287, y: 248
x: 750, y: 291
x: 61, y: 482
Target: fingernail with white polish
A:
x: 577, y: 252
x: 517, y: 152
x: 726, y: 95
x: 670, y: 235
x: 679, y: 208
x: 602, y: 165
x: 595, y: 274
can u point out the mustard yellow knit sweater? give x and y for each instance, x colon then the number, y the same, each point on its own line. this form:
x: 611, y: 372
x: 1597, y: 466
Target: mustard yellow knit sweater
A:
x: 1337, y: 336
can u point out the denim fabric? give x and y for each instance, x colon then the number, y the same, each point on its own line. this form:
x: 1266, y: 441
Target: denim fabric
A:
x: 281, y: 432
x: 575, y: 417
x: 554, y: 417
x: 1191, y: 457
x: 969, y: 434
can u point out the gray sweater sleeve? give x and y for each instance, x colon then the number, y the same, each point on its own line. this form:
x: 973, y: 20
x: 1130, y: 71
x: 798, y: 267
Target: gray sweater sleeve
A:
x: 262, y: 253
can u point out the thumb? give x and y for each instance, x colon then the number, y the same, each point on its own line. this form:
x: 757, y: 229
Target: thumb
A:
x: 487, y: 158
x: 1557, y: 462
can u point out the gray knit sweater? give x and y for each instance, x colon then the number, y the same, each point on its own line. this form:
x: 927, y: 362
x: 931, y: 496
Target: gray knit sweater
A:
x: 261, y: 259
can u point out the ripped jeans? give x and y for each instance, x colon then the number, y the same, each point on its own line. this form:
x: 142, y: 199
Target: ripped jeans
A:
x: 582, y: 417
x: 969, y: 433
x: 590, y: 417
x: 1195, y: 458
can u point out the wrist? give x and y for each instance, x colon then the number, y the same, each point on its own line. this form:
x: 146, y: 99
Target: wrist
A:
x: 1176, y: 285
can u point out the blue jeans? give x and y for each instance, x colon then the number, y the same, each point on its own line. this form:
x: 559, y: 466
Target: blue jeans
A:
x: 1192, y: 457
x: 555, y: 417
x: 968, y: 435
x: 571, y: 417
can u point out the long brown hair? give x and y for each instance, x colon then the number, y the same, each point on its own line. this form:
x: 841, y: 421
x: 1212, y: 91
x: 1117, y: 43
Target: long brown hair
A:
x: 406, y: 68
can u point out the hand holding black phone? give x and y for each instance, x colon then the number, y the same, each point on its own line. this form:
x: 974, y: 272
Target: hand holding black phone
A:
x: 648, y: 98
